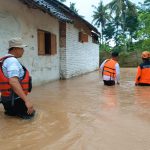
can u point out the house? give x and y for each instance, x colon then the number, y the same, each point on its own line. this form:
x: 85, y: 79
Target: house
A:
x: 61, y: 44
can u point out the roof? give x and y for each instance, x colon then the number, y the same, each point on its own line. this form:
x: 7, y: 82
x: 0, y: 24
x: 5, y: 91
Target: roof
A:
x: 58, y: 10
x: 48, y: 7
x: 67, y: 9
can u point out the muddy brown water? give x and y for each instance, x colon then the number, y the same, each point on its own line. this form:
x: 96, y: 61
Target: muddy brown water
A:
x: 83, y: 114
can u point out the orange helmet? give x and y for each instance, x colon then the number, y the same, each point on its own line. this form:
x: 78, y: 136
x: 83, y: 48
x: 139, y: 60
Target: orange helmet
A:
x: 145, y: 54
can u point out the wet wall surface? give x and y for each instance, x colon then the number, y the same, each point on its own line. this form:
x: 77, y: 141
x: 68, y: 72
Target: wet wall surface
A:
x: 83, y: 114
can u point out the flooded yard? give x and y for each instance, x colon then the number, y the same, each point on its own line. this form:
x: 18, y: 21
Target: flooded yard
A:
x: 83, y: 114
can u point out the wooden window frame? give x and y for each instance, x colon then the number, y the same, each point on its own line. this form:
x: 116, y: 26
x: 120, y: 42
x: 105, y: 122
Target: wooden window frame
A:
x: 47, y: 43
x: 83, y: 37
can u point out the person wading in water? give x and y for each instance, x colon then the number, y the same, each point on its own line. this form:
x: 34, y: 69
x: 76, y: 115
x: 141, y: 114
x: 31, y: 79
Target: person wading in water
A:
x: 15, y: 82
x: 111, y: 70
x: 143, y: 70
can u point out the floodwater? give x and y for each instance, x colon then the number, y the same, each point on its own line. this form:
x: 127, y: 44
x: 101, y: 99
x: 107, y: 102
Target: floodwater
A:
x: 83, y: 114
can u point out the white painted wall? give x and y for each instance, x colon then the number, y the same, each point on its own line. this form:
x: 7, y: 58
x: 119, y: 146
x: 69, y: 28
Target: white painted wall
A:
x: 80, y: 57
x: 17, y: 20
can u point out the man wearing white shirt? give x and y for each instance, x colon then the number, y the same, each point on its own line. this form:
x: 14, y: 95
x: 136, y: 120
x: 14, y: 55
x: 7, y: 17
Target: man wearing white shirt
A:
x: 111, y: 70
x: 15, y: 82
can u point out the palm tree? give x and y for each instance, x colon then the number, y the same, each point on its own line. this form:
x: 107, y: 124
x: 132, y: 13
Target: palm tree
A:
x: 100, y: 17
x: 119, y: 10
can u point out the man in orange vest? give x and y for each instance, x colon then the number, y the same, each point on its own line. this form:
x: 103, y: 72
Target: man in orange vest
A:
x: 15, y: 82
x: 111, y: 70
x: 143, y: 70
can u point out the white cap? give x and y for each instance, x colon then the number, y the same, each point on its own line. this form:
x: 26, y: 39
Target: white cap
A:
x: 16, y: 42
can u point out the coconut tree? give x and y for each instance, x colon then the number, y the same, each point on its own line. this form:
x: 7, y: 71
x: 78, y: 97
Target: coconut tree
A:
x: 120, y: 10
x: 132, y: 22
x: 100, y: 17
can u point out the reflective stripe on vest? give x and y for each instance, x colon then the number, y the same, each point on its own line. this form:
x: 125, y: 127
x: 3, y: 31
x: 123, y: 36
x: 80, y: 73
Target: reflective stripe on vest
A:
x: 5, y: 87
x: 109, y: 68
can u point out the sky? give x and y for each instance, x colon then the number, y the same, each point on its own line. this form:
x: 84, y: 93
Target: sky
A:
x: 85, y: 8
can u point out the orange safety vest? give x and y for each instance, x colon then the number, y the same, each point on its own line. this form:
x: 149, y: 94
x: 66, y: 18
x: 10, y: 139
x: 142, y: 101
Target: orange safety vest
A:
x: 109, y: 68
x: 143, y: 74
x: 5, y: 87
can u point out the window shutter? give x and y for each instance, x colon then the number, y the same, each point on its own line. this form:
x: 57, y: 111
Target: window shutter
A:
x: 41, y: 42
x: 83, y: 37
x: 80, y: 37
x: 53, y: 44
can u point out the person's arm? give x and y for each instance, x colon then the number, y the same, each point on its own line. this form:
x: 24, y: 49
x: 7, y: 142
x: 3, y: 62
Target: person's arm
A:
x: 117, y: 73
x: 11, y: 68
x: 138, y: 74
x: 16, y: 86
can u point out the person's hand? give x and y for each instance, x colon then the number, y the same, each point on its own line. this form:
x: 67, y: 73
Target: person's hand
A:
x: 29, y: 107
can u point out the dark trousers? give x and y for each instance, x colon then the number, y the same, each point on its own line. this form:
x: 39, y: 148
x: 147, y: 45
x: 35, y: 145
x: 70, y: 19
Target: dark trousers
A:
x: 109, y: 82
x: 143, y: 84
x: 17, y: 108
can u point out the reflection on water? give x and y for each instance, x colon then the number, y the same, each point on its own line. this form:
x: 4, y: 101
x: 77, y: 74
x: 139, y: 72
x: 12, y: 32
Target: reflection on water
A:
x: 83, y: 114
x: 142, y: 95
x: 110, y: 100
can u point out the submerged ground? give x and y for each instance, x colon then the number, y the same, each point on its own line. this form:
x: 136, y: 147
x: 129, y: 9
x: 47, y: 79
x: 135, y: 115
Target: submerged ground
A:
x: 83, y: 114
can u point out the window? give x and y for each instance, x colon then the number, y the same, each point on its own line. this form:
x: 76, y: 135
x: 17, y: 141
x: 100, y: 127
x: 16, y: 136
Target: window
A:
x: 47, y: 44
x: 95, y: 38
x: 83, y: 37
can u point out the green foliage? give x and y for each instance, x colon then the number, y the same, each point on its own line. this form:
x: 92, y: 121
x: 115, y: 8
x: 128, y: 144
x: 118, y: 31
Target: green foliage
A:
x: 132, y: 22
x: 144, y: 30
x: 129, y: 59
x: 104, y: 47
x: 104, y: 55
x: 146, y: 45
x: 109, y: 31
x: 72, y: 7
x: 129, y: 28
